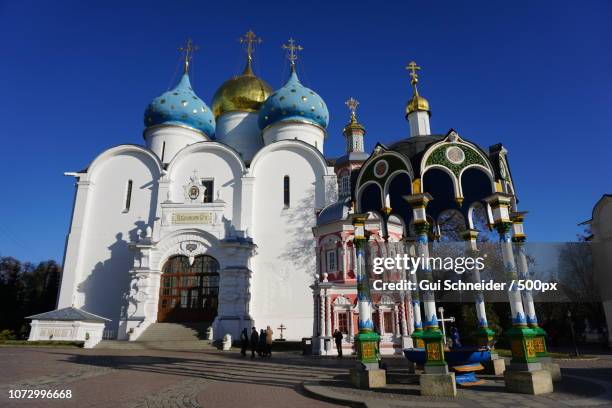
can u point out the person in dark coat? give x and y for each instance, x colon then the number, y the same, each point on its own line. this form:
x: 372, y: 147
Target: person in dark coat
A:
x: 244, y: 342
x: 254, y: 341
x: 455, y: 338
x: 261, y: 349
x: 338, y: 338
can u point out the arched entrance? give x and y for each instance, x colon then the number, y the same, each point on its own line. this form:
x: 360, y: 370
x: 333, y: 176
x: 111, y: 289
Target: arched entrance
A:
x: 189, y: 293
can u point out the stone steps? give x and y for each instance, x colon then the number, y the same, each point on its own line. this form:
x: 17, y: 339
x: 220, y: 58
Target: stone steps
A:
x: 166, y: 336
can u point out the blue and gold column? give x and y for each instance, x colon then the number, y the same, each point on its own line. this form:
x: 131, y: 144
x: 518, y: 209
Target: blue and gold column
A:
x: 367, y: 339
x: 522, y: 338
x: 519, y: 238
x: 432, y: 337
x: 484, y: 335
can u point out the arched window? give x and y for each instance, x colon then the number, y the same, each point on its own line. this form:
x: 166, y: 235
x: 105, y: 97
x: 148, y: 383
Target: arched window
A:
x: 286, y: 192
x: 128, y: 196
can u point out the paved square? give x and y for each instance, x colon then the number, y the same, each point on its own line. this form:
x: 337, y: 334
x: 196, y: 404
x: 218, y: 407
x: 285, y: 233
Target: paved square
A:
x: 210, y: 378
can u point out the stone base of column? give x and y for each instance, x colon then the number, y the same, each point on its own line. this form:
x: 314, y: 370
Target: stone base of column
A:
x: 438, y: 385
x: 534, y: 382
x: 407, y: 342
x: 552, y: 368
x: 368, y: 378
x: 495, y: 366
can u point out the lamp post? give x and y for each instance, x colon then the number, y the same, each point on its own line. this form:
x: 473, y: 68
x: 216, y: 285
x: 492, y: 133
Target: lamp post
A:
x: 571, y: 322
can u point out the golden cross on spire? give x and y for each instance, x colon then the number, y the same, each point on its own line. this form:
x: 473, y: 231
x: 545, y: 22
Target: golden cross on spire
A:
x: 250, y: 39
x: 292, y: 50
x: 414, y: 75
x: 352, y: 104
x: 188, y: 49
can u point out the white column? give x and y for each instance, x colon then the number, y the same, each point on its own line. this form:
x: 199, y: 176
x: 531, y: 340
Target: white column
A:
x: 514, y: 295
x: 381, y: 325
x: 351, y: 329
x: 471, y: 248
x: 403, y: 320
x: 396, y: 319
x: 523, y: 272
x: 321, y: 299
x: 328, y: 327
x: 246, y: 197
x: 344, y: 261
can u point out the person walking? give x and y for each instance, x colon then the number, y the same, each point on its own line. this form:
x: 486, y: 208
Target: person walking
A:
x: 338, y: 338
x: 261, y: 350
x: 254, y: 341
x: 269, y: 334
x: 244, y: 342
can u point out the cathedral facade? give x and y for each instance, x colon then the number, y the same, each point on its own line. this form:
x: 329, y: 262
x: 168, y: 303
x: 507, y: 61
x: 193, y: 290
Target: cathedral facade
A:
x: 209, y: 219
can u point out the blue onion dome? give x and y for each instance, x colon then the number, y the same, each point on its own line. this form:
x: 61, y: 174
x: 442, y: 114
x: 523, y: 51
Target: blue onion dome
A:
x: 294, y: 102
x: 181, y: 107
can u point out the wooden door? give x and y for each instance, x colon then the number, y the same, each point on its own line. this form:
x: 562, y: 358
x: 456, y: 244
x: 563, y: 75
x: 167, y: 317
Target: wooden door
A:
x: 189, y: 293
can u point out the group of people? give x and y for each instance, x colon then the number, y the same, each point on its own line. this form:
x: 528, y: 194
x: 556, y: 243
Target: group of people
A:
x: 260, y: 343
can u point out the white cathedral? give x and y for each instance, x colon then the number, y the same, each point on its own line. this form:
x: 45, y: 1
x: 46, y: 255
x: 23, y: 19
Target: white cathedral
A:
x: 210, y: 219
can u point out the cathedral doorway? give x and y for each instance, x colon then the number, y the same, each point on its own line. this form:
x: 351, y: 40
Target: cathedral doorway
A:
x: 189, y: 293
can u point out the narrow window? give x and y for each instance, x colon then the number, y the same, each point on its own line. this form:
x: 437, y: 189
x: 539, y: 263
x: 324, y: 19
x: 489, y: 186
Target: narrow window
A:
x: 343, y: 322
x: 286, y: 192
x: 332, y: 261
x: 128, y: 196
x: 388, y: 322
x: 209, y: 188
x: 345, y: 186
x: 163, y: 151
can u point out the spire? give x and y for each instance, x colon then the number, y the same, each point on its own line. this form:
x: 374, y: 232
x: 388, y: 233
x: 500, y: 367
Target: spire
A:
x: 353, y: 131
x: 292, y: 52
x: 417, y: 103
x: 188, y: 51
x: 414, y: 75
x: 250, y: 39
x: 417, y: 108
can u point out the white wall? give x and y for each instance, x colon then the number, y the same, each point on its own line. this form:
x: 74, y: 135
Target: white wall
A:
x: 210, y: 160
x: 167, y: 141
x: 240, y: 131
x: 285, y: 262
x: 98, y: 259
x: 311, y: 134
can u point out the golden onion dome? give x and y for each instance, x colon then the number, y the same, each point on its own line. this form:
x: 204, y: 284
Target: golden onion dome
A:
x: 417, y: 103
x: 244, y: 93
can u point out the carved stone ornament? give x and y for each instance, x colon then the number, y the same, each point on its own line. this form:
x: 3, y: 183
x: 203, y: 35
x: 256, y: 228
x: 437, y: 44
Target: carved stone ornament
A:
x: 193, y: 189
x: 191, y: 249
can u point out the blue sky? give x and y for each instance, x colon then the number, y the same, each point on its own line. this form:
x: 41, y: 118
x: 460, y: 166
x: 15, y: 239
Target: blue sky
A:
x: 77, y: 76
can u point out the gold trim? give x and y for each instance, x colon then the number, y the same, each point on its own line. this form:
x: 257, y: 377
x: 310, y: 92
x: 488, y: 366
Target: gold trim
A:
x: 416, y: 186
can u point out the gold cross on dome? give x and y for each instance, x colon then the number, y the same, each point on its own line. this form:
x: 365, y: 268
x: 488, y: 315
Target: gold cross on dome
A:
x: 250, y: 39
x: 188, y: 49
x: 413, y: 68
x: 352, y: 104
x: 292, y: 50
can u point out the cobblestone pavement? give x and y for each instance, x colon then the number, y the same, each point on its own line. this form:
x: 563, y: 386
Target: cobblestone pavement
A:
x: 160, y: 379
